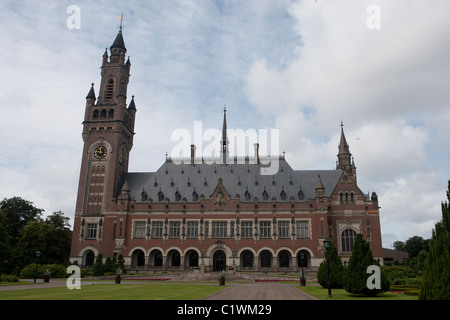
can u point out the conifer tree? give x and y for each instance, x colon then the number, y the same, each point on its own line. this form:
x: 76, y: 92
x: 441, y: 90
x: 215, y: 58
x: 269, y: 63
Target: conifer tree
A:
x: 355, y: 276
x: 436, y: 272
x: 336, y: 270
x: 121, y: 263
x: 98, y: 269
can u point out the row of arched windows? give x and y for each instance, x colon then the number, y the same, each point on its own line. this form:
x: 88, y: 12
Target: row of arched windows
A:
x: 347, y: 198
x: 246, y: 259
x: 103, y: 114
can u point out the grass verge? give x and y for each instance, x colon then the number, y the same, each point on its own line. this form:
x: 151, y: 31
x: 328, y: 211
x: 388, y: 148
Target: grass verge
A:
x: 340, y: 294
x: 154, y: 291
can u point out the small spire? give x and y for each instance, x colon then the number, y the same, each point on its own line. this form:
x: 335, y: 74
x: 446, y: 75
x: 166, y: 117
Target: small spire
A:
x: 343, y: 145
x: 319, y: 184
x: 224, y: 127
x: 118, y: 42
x: 224, y: 143
x: 132, y: 105
x: 91, y: 94
x: 125, y: 187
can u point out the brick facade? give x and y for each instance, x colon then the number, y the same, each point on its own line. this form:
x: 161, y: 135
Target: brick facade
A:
x: 197, y: 214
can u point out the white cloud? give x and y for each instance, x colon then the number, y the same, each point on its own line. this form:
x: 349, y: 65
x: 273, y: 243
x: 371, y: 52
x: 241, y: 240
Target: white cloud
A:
x: 389, y: 86
x: 298, y: 66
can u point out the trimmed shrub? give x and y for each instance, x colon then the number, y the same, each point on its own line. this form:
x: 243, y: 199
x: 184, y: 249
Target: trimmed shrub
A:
x: 336, y: 270
x: 355, y: 276
x: 29, y: 271
x: 8, y: 278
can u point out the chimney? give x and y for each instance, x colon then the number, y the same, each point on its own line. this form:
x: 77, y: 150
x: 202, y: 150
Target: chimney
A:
x: 192, y: 154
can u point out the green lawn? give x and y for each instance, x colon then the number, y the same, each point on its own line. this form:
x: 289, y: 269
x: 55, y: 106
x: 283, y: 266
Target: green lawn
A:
x: 154, y: 291
x: 340, y: 294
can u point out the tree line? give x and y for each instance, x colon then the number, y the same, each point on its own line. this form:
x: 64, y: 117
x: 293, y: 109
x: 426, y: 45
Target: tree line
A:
x: 24, y: 231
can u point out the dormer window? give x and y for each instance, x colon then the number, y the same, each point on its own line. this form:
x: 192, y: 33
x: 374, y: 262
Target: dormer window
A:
x: 194, y: 196
x: 247, y: 195
x: 283, y: 194
x: 177, y: 195
x: 144, y: 196
x: 160, y: 195
x: 265, y: 194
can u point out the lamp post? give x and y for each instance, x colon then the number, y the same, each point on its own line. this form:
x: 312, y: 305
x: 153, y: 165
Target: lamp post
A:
x: 302, y: 278
x: 38, y: 254
x: 326, y: 244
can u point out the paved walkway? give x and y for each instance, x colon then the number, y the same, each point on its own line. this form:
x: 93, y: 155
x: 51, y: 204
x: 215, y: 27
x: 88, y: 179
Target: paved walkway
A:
x: 261, y: 291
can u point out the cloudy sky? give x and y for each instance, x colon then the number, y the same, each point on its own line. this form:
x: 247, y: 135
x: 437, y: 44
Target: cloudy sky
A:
x: 302, y: 67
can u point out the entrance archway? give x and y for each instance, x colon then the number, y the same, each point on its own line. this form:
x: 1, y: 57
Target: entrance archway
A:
x: 191, y: 258
x: 306, y: 259
x: 219, y: 260
x: 284, y: 259
x: 89, y: 258
x: 138, y: 258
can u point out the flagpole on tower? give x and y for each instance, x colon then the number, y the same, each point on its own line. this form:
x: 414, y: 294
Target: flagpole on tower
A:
x: 121, y: 20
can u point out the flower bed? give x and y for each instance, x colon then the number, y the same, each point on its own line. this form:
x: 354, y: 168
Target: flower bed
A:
x: 273, y: 280
x: 147, y: 279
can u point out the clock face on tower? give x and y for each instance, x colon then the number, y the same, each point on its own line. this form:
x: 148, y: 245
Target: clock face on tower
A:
x: 100, y: 152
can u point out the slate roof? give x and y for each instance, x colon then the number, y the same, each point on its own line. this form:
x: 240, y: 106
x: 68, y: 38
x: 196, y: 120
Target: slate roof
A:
x: 118, y: 42
x: 243, y: 179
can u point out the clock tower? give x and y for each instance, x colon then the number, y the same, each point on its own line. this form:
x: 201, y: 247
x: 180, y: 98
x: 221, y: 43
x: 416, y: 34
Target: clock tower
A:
x: 108, y: 130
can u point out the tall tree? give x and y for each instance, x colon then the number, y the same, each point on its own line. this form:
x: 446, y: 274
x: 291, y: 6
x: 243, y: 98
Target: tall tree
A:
x: 436, y: 272
x: 50, y: 236
x: 18, y: 213
x: 336, y: 269
x: 5, y: 248
x: 355, y: 276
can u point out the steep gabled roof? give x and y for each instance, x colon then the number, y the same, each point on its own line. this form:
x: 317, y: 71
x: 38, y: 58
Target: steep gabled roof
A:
x: 237, y: 179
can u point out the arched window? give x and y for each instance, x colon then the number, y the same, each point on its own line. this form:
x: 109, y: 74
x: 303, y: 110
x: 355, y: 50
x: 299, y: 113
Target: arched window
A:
x: 247, y: 259
x: 109, y: 90
x: 89, y: 258
x: 283, y: 259
x: 158, y: 259
x: 96, y: 114
x: 348, y: 237
x: 103, y: 114
x: 306, y: 258
x: 193, y: 259
x: 266, y: 259
x: 175, y: 259
x: 138, y: 258
x: 111, y: 114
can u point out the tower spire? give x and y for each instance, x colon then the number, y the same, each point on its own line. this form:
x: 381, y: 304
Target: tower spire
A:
x: 224, y: 142
x: 118, y: 47
x: 343, y: 145
x: 345, y: 159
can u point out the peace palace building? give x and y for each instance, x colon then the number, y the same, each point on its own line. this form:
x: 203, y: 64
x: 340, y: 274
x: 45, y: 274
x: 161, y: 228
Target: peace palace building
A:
x: 198, y: 215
